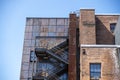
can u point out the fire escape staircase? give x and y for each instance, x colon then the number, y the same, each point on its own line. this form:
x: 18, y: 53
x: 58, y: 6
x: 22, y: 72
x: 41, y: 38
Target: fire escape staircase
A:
x: 52, y: 74
x: 59, y: 54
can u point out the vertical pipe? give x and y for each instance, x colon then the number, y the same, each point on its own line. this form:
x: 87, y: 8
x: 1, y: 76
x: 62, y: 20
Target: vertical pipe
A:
x: 77, y: 55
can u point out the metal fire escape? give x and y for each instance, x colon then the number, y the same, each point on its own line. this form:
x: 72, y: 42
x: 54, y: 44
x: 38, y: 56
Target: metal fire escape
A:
x: 56, y: 61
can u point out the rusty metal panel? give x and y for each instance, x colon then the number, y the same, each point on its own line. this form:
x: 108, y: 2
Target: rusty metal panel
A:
x: 60, y: 22
x: 25, y: 58
x: 66, y: 34
x: 34, y: 34
x: 36, y: 28
x: 27, y: 42
x: 66, y: 26
x: 32, y: 48
x: 30, y: 74
x: 25, y: 66
x: 24, y: 74
x: 44, y: 21
x: 60, y: 28
x: 43, y: 34
x: 31, y: 67
x: 60, y: 34
x: 51, y: 34
x: 29, y: 22
x: 41, y: 43
x: 52, y: 28
x: 66, y: 30
x: 52, y: 22
x: 26, y: 50
x: 67, y: 22
x: 44, y: 29
x: 32, y: 42
x: 35, y: 21
x: 28, y: 29
x: 48, y: 42
x: 28, y: 35
x: 37, y: 44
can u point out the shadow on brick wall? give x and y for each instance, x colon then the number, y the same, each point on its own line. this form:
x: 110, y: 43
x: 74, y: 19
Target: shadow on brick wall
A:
x: 103, y: 35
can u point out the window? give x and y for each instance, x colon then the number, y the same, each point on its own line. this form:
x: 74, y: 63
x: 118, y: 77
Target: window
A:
x: 112, y: 27
x: 32, y: 56
x: 95, y: 71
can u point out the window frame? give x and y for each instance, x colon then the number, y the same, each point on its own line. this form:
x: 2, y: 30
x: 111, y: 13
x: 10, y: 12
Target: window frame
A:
x: 94, y: 71
x: 33, y: 57
x: 112, y: 27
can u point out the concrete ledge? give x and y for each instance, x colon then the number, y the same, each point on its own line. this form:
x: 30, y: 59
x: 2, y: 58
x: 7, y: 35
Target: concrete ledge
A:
x: 99, y: 46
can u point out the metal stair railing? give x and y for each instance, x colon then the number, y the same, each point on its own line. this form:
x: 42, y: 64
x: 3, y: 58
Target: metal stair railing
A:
x: 57, y: 56
x: 51, y: 73
x: 55, y: 62
x: 57, y: 69
x: 46, y: 74
x: 56, y: 48
x: 60, y: 52
x: 53, y: 77
x: 57, y: 52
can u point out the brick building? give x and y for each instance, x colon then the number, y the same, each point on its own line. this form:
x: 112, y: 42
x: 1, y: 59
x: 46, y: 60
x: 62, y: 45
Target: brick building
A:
x: 84, y: 47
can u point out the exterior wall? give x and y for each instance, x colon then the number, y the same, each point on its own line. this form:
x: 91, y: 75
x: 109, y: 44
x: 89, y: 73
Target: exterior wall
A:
x: 105, y: 56
x: 117, y: 33
x: 27, y: 47
x: 103, y: 33
x: 117, y: 39
x: 87, y: 26
x: 40, y: 27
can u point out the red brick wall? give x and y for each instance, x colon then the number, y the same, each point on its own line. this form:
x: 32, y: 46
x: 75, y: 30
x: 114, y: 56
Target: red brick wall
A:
x: 103, y: 33
x: 97, y: 55
x: 87, y: 26
x: 72, y: 48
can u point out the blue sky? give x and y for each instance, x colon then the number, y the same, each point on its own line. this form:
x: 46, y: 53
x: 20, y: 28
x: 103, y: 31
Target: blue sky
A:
x: 13, y: 14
